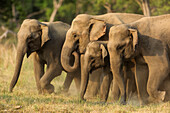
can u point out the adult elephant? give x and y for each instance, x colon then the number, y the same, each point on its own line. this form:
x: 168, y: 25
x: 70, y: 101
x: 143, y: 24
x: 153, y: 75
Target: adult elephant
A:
x: 97, y: 56
x: 86, y: 28
x: 46, y: 40
x: 147, y: 42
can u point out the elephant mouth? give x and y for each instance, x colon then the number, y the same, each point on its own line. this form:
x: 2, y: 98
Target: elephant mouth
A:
x: 95, y: 66
x: 76, y: 47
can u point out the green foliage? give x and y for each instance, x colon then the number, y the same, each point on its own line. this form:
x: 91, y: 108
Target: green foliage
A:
x: 66, y: 13
x: 70, y: 8
x: 159, y: 7
x: 127, y: 6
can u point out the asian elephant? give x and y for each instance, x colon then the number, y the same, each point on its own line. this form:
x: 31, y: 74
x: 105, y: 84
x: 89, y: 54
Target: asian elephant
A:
x: 147, y: 43
x: 86, y: 28
x: 46, y: 41
x: 96, y: 56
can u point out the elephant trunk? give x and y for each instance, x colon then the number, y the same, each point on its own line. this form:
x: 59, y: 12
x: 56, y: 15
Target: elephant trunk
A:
x: 66, y: 58
x: 84, y: 75
x: 116, y: 64
x: 21, y: 50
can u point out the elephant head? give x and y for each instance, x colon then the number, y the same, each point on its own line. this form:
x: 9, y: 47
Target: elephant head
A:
x: 94, y: 56
x: 32, y: 35
x: 122, y: 45
x: 84, y: 28
x: 123, y: 41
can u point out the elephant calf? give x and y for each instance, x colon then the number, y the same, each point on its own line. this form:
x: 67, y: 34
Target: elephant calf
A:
x: 96, y: 56
x: 46, y: 40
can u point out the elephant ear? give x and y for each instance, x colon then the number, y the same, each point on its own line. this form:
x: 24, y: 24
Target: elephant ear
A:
x: 134, y: 34
x: 45, y: 33
x: 97, y: 29
x: 104, y: 51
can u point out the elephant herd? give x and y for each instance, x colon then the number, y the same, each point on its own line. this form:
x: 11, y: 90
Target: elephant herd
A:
x: 119, y: 51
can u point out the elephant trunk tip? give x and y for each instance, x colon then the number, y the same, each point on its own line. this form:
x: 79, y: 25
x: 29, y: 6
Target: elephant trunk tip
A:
x: 10, y: 90
x: 76, y: 63
x: 66, y: 58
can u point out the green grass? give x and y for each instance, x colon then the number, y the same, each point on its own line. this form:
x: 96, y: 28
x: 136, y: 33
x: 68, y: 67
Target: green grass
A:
x: 26, y: 99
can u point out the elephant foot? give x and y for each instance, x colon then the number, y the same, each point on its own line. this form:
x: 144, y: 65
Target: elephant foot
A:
x: 82, y: 98
x: 143, y: 102
x: 63, y: 90
x: 102, y: 101
x: 158, y: 98
x: 103, y: 98
x: 162, y: 95
x: 48, y: 89
x: 39, y: 91
x: 115, y: 99
x: 122, y: 101
x: 10, y: 90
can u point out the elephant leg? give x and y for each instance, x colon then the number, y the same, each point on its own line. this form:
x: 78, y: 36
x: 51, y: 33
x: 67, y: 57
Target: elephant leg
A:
x: 38, y: 71
x: 67, y: 82
x: 51, y: 72
x: 77, y: 79
x: 131, y: 86
x: 158, y: 71
x: 165, y: 86
x: 69, y: 78
x: 130, y: 79
x: 141, y: 77
x: 105, y: 86
x: 94, y: 83
x: 115, y: 91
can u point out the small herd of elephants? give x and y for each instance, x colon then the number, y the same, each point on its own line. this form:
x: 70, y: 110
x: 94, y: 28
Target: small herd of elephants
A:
x: 125, y: 52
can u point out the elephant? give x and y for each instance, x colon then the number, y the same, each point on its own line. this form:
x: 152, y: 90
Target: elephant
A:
x: 86, y: 28
x: 146, y: 42
x: 96, y: 56
x: 45, y: 41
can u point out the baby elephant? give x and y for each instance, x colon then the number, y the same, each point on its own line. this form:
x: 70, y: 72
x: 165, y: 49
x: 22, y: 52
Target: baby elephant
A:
x: 96, y: 56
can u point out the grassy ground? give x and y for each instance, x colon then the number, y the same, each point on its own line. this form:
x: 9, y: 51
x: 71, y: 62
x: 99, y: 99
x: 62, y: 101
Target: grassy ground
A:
x: 25, y: 98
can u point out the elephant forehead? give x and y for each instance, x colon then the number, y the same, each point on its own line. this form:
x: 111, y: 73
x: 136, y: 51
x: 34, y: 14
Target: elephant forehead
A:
x: 79, y: 25
x: 93, y: 48
x: 30, y: 24
x: 119, y: 32
x: 80, y: 22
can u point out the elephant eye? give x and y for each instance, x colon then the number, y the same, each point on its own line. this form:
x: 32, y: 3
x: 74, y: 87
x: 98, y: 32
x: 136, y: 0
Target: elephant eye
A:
x: 74, y: 35
x: 120, y: 47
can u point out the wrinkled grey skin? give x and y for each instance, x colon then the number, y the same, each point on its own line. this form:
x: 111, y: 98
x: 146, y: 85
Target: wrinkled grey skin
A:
x: 96, y: 56
x: 147, y: 42
x: 46, y: 40
x: 86, y: 28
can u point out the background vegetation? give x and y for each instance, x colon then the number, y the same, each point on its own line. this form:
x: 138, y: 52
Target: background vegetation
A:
x: 25, y: 97
x: 15, y: 11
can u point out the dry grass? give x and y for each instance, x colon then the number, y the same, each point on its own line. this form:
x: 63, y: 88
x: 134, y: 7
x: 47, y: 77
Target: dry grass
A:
x: 25, y: 97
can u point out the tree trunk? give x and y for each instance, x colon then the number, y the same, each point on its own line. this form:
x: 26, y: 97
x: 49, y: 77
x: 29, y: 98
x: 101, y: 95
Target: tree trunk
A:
x: 144, y: 4
x: 56, y: 7
x: 108, y: 7
x: 36, y: 13
x: 146, y: 8
x: 13, y: 13
x: 78, y: 6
